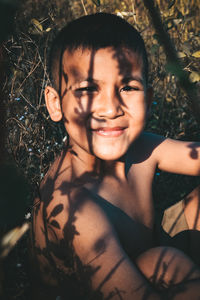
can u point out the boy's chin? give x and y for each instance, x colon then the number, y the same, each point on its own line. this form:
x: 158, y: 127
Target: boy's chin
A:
x: 110, y: 156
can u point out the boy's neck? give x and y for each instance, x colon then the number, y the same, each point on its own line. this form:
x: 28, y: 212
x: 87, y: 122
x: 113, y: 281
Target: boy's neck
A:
x: 91, y: 166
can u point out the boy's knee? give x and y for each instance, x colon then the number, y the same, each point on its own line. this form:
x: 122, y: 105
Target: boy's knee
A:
x: 192, y: 209
x: 165, y: 266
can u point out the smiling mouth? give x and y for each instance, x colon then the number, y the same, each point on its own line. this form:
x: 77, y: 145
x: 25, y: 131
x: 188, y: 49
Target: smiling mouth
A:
x: 110, y: 132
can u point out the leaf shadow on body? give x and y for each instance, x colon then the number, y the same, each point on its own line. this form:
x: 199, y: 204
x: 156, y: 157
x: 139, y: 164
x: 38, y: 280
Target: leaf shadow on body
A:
x: 56, y: 256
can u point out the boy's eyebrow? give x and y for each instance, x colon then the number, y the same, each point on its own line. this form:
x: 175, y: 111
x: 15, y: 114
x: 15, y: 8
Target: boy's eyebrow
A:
x: 83, y: 79
x: 89, y: 79
x: 127, y: 79
x: 80, y: 79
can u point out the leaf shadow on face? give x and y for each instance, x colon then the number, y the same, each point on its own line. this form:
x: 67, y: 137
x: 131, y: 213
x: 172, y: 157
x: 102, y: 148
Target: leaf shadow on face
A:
x: 56, y: 255
x: 84, y: 114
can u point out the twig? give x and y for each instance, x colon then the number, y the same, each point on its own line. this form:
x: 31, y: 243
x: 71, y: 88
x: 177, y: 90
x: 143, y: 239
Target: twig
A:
x: 134, y: 15
x: 29, y: 74
x: 18, y: 122
x: 173, y: 60
x: 11, y: 238
x: 45, y: 75
x: 85, y: 11
x: 27, y: 101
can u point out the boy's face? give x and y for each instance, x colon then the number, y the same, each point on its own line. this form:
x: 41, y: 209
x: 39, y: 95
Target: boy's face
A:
x: 103, y: 98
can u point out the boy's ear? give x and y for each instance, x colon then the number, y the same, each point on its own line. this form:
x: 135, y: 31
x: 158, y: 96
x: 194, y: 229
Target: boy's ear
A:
x: 52, y: 100
x: 149, y: 99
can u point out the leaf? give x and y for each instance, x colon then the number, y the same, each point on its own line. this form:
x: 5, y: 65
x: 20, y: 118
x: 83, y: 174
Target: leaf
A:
x: 11, y: 238
x: 57, y: 210
x: 154, y: 48
x: 186, y: 48
x: 194, y: 76
x: 168, y: 99
x: 55, y: 224
x: 171, y: 4
x: 196, y: 54
x: 181, y: 54
x: 37, y: 24
x: 177, y: 21
x: 174, y: 69
x: 48, y: 29
x: 156, y: 37
x: 96, y: 2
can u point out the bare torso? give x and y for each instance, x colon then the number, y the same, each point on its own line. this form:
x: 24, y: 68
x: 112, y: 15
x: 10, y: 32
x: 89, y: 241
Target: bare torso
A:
x: 127, y: 205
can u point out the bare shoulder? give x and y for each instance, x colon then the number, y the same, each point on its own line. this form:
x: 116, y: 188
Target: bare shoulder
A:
x: 58, y: 171
x: 175, y: 156
x: 52, y: 204
x: 145, y: 147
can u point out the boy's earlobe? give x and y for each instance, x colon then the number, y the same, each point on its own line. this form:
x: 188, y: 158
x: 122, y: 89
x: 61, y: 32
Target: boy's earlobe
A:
x: 52, y: 100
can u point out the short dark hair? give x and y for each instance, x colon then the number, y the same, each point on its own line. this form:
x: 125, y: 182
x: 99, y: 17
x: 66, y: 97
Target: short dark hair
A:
x: 95, y: 31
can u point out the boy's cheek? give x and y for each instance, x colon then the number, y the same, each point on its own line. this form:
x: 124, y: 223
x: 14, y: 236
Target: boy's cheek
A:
x: 77, y: 113
x: 137, y: 112
x: 78, y: 121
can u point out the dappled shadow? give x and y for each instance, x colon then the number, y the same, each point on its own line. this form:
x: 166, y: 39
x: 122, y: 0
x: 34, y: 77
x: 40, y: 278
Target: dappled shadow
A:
x: 193, y: 200
x: 181, y: 226
x: 54, y: 219
x: 194, y: 150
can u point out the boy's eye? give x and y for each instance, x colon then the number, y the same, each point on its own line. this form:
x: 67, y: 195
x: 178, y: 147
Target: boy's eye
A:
x: 129, y: 88
x: 85, y: 90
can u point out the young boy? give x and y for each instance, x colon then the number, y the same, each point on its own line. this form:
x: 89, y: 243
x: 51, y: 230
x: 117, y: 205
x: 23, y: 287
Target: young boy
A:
x: 93, y: 223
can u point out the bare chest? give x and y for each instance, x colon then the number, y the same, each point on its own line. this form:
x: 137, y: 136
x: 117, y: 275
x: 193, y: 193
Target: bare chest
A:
x: 132, y: 196
x: 130, y: 210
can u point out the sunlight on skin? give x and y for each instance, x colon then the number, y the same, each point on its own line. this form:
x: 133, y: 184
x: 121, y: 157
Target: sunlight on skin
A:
x: 108, y: 110
x: 192, y: 209
x: 103, y: 104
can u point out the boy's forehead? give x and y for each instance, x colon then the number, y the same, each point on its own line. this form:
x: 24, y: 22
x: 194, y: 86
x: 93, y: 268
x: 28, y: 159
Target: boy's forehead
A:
x: 81, y: 61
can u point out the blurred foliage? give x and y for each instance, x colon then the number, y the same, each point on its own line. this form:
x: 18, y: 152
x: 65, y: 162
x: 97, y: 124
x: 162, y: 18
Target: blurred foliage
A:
x: 15, y: 194
x: 34, y: 141
x: 7, y: 12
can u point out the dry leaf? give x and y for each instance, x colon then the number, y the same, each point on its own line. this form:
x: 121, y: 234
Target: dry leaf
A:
x: 37, y: 24
x: 194, y: 76
x: 181, y: 54
x: 196, y: 54
x: 168, y: 99
x: 11, y: 238
x: 177, y: 21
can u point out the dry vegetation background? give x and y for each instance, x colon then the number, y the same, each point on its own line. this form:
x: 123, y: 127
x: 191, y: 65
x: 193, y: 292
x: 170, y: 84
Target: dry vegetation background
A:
x: 33, y: 140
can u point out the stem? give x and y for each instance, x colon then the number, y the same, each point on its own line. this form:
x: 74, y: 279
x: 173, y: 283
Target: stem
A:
x: 85, y: 11
x: 172, y: 59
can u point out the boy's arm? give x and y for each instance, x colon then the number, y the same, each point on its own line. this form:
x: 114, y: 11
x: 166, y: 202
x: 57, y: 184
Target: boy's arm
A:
x: 113, y: 274
x: 97, y: 245
x: 178, y: 157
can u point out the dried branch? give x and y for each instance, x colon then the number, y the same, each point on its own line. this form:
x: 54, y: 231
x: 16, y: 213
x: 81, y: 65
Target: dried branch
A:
x: 85, y: 11
x: 173, y: 61
x: 11, y: 238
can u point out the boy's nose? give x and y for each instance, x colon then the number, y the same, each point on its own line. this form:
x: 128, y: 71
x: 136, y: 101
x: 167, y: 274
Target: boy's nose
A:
x: 109, y: 106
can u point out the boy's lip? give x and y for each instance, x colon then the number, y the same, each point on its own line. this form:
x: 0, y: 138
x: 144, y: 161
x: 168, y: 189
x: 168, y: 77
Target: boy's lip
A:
x: 109, y: 131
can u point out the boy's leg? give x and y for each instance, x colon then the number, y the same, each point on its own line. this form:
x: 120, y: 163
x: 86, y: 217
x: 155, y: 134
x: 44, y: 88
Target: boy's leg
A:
x: 183, y: 215
x: 192, y: 209
x: 182, y: 223
x: 171, y: 272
